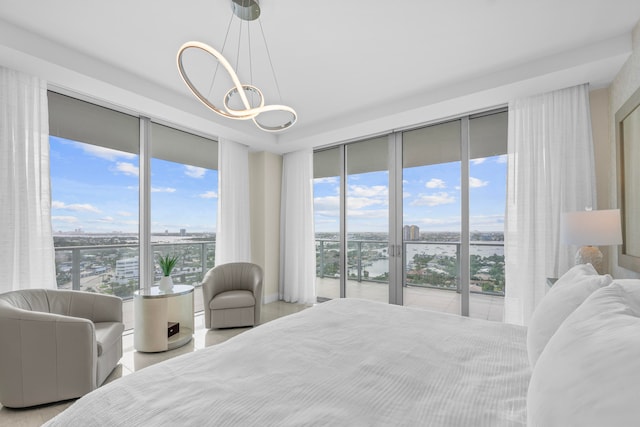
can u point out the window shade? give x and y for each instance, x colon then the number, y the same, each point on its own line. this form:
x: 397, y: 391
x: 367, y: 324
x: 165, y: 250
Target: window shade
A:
x: 82, y: 121
x: 182, y: 147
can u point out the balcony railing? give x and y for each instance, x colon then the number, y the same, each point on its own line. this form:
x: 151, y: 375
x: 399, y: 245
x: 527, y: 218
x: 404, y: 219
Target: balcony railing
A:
x: 113, y: 269
x: 426, y: 263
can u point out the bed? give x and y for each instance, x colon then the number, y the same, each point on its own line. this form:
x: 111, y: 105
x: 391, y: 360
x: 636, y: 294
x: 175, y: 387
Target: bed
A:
x: 342, y: 362
x: 354, y: 362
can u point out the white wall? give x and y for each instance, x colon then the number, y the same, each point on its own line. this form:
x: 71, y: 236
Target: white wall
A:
x: 265, y: 183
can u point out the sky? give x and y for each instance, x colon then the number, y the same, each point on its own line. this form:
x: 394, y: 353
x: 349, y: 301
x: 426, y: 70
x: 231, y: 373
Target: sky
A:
x: 96, y: 189
x: 431, y: 198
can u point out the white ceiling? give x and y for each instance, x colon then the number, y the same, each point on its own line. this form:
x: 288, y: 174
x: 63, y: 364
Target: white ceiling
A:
x: 350, y: 69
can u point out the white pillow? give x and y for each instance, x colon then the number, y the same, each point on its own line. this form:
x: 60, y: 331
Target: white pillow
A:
x: 589, y: 372
x: 561, y: 300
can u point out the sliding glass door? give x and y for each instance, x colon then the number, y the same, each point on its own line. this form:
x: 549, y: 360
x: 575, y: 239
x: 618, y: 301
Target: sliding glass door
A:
x: 327, y: 220
x: 431, y: 226
x: 415, y: 217
x: 487, y: 203
x: 367, y: 219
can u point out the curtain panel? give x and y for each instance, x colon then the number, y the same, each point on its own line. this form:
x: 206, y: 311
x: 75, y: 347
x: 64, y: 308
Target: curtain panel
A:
x: 233, y: 230
x: 550, y: 171
x: 27, y: 257
x: 297, y: 240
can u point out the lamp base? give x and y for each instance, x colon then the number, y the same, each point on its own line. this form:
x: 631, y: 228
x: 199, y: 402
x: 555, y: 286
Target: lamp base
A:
x: 590, y: 255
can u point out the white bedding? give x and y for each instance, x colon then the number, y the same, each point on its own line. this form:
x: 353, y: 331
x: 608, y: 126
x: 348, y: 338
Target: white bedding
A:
x: 343, y: 362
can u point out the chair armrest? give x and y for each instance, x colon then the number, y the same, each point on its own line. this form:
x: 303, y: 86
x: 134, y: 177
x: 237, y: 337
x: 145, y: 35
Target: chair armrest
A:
x: 50, y: 354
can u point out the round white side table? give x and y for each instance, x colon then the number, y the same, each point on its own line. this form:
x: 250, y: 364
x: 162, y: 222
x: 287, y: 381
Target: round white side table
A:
x: 154, y: 310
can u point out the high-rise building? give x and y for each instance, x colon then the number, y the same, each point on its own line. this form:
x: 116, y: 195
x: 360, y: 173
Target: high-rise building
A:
x: 410, y: 232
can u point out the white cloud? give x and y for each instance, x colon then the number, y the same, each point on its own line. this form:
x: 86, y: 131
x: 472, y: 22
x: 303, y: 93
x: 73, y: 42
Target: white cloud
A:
x: 436, y: 183
x: 477, y: 183
x: 485, y: 222
x: 478, y: 161
x: 368, y: 214
x: 105, y: 219
x: 76, y: 207
x: 439, y: 221
x: 406, y: 195
x: 194, y: 171
x: 368, y: 191
x: 104, y: 153
x: 502, y: 159
x: 209, y: 195
x: 326, y: 203
x: 326, y: 180
x: 163, y: 190
x: 124, y: 213
x: 363, y: 202
x: 132, y: 187
x: 434, y: 199
x: 127, y: 168
x: 68, y: 219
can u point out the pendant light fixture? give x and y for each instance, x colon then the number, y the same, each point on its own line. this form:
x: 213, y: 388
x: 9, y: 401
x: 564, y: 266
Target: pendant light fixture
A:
x: 242, y: 101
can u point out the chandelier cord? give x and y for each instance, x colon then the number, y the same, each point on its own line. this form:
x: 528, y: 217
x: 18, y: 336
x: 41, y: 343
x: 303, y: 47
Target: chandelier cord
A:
x: 250, y: 61
x: 224, y: 44
x: 273, y: 72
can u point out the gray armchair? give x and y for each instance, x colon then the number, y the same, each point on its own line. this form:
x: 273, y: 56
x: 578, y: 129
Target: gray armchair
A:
x: 232, y: 295
x: 56, y: 344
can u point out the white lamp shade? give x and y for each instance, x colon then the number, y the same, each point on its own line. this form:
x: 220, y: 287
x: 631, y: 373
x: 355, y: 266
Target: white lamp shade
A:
x: 591, y: 228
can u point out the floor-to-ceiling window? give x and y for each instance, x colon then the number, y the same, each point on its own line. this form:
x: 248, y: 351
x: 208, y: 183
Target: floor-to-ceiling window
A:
x: 487, y: 204
x: 96, y: 176
x: 367, y: 219
x: 419, y: 216
x: 94, y: 163
x: 327, y: 220
x: 431, y: 220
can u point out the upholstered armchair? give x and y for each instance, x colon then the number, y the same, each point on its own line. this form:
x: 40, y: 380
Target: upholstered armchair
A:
x: 56, y: 344
x: 232, y: 295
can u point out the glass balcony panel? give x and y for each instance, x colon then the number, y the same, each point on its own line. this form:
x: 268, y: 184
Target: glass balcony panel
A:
x: 114, y: 269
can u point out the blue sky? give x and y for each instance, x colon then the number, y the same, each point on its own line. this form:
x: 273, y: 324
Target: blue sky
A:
x: 96, y: 189
x: 431, y: 198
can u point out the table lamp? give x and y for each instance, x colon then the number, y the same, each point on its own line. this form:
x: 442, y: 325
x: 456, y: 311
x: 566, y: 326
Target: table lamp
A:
x: 590, y: 229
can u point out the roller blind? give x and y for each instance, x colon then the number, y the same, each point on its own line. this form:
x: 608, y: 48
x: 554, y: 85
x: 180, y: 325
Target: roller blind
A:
x: 431, y: 145
x: 182, y: 147
x: 82, y: 121
x: 371, y: 155
x: 326, y: 163
x: 488, y: 135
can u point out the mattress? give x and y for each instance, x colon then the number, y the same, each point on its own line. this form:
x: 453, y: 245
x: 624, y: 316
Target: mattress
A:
x: 343, y: 362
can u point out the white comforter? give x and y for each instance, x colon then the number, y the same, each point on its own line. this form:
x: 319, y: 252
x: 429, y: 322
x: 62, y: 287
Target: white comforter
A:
x: 343, y: 362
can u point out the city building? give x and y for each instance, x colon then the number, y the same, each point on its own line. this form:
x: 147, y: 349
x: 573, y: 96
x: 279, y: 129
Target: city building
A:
x: 127, y: 269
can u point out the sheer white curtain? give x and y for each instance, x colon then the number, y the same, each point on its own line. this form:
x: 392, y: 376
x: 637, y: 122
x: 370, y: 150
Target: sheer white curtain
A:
x: 550, y: 171
x: 26, y: 240
x: 233, y: 230
x: 297, y: 241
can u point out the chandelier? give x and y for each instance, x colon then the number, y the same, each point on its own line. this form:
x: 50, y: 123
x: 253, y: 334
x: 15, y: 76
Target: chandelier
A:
x: 242, y: 101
